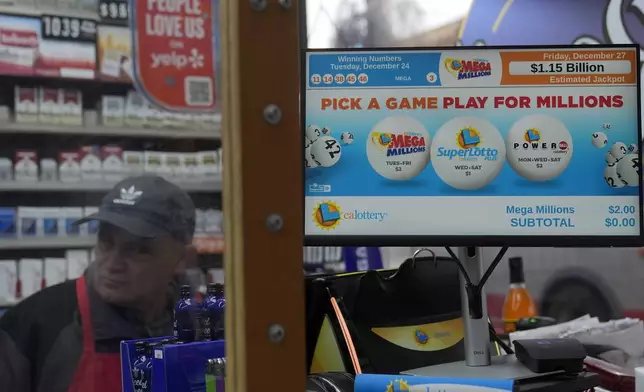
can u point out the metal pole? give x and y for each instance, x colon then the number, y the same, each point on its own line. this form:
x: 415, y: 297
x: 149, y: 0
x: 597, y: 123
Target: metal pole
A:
x: 304, y: 30
x: 476, y: 332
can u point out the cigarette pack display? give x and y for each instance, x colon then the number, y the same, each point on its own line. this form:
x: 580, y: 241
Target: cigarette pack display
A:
x: 48, y: 170
x: 30, y: 275
x: 166, y: 170
x: 26, y: 166
x: 155, y: 117
x: 173, y: 164
x: 55, y: 271
x: 8, y: 220
x: 207, y: 164
x: 136, y: 109
x: 26, y: 104
x: 70, y: 216
x: 113, y: 167
x: 28, y: 225
x: 134, y: 162
x: 91, y: 227
x: 50, y: 218
x: 77, y: 262
x: 214, y: 222
x: 112, y: 110
x: 71, y: 107
x: 8, y: 281
x: 49, y: 107
x: 69, y: 169
x: 200, y: 222
x: 153, y: 162
x: 190, y: 166
x: 90, y: 163
x: 6, y: 169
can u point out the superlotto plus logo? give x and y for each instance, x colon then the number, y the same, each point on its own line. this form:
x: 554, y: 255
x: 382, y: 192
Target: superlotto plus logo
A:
x: 468, y: 69
x: 533, y: 140
x: 328, y: 215
x: 468, y: 140
x: 396, y: 144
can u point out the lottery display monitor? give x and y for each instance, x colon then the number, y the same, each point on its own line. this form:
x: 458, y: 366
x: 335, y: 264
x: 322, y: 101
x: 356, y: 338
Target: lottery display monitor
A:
x: 473, y: 146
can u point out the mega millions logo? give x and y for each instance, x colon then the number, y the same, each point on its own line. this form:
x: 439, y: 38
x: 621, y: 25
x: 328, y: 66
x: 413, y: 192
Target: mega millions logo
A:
x: 533, y: 140
x: 397, y: 386
x: 404, y: 143
x: 468, y: 69
x: 327, y: 215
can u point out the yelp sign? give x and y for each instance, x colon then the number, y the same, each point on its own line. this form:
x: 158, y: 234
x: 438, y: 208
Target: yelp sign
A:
x: 177, y: 60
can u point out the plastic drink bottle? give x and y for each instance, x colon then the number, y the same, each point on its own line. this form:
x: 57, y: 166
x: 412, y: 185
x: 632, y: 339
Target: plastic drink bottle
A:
x: 138, y: 366
x: 518, y: 302
x: 184, y: 316
x: 214, y: 306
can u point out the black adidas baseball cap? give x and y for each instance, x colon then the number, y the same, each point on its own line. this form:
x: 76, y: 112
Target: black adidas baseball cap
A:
x: 148, y: 206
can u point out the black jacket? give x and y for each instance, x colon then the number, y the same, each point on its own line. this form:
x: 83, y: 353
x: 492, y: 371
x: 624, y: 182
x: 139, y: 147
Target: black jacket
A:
x: 41, y: 338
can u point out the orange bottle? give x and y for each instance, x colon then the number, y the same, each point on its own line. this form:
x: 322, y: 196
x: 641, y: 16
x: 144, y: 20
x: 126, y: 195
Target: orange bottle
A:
x: 518, y: 303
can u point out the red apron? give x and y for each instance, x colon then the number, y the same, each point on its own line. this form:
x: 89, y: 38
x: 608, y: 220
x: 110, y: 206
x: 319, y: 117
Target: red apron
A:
x: 96, y: 372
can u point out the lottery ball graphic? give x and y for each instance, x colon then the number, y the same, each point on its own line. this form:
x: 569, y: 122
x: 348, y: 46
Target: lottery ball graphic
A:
x: 398, y: 148
x: 610, y: 159
x: 628, y: 169
x: 600, y: 140
x: 346, y: 138
x: 618, y: 150
x: 539, y: 147
x: 309, y: 162
x: 468, y: 153
x: 611, y: 177
x: 326, y: 151
x: 632, y: 148
x: 313, y: 132
x: 326, y: 131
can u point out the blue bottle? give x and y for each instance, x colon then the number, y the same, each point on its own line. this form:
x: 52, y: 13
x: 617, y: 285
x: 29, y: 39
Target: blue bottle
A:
x: 185, y: 316
x: 214, y: 307
x: 138, y: 367
x: 146, y: 382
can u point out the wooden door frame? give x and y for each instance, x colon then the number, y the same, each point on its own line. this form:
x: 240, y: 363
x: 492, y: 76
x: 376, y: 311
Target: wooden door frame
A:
x: 263, y: 196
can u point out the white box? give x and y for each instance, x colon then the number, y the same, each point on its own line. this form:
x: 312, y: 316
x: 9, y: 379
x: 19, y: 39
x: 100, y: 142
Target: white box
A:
x: 173, y: 162
x: 69, y: 169
x: 49, y: 109
x: 28, y: 222
x: 200, y: 222
x: 26, y: 104
x: 30, y: 273
x: 214, y: 222
x: 166, y: 170
x: 49, y: 221
x: 134, y: 162
x: 91, y: 227
x: 153, y: 162
x: 208, y: 164
x: 113, y: 111
x: 77, y: 262
x: 155, y: 117
x: 69, y: 216
x: 26, y: 166
x: 8, y: 281
x: 71, y: 107
x: 91, y: 165
x: 136, y: 109
x: 48, y: 170
x: 113, y: 167
x: 55, y: 271
x: 6, y: 169
x: 190, y: 166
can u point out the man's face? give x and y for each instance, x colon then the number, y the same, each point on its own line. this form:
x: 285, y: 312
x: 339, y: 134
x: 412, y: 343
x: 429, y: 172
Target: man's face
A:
x: 130, y: 270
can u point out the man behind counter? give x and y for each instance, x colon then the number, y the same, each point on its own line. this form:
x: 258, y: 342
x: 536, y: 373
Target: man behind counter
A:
x: 66, y: 337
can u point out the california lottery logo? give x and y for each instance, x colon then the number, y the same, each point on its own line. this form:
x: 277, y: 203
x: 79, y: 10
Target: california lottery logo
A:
x: 398, y: 148
x: 539, y: 147
x: 398, y: 386
x: 468, y: 153
x: 468, y: 69
x: 421, y: 336
x: 326, y: 215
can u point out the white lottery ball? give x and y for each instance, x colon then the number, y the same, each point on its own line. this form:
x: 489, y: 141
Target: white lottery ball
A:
x: 618, y: 150
x: 398, y: 148
x: 313, y: 132
x: 611, y: 177
x: 346, y: 138
x: 600, y: 140
x: 326, y: 151
x: 610, y: 159
x: 326, y: 131
x: 539, y: 147
x: 628, y: 169
x: 632, y: 148
x: 468, y: 153
x: 309, y: 162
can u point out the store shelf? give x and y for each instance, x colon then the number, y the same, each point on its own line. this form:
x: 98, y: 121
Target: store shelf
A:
x: 98, y: 130
x: 47, y: 242
x: 212, y: 185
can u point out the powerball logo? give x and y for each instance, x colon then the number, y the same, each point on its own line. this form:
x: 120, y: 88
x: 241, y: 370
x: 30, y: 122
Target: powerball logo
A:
x: 533, y: 140
x: 468, y: 69
x: 395, y: 144
x: 468, y: 141
x: 328, y: 215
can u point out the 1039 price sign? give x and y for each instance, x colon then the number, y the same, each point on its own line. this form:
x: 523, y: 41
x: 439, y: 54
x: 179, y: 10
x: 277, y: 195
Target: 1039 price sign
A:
x: 67, y: 28
x: 114, y: 12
